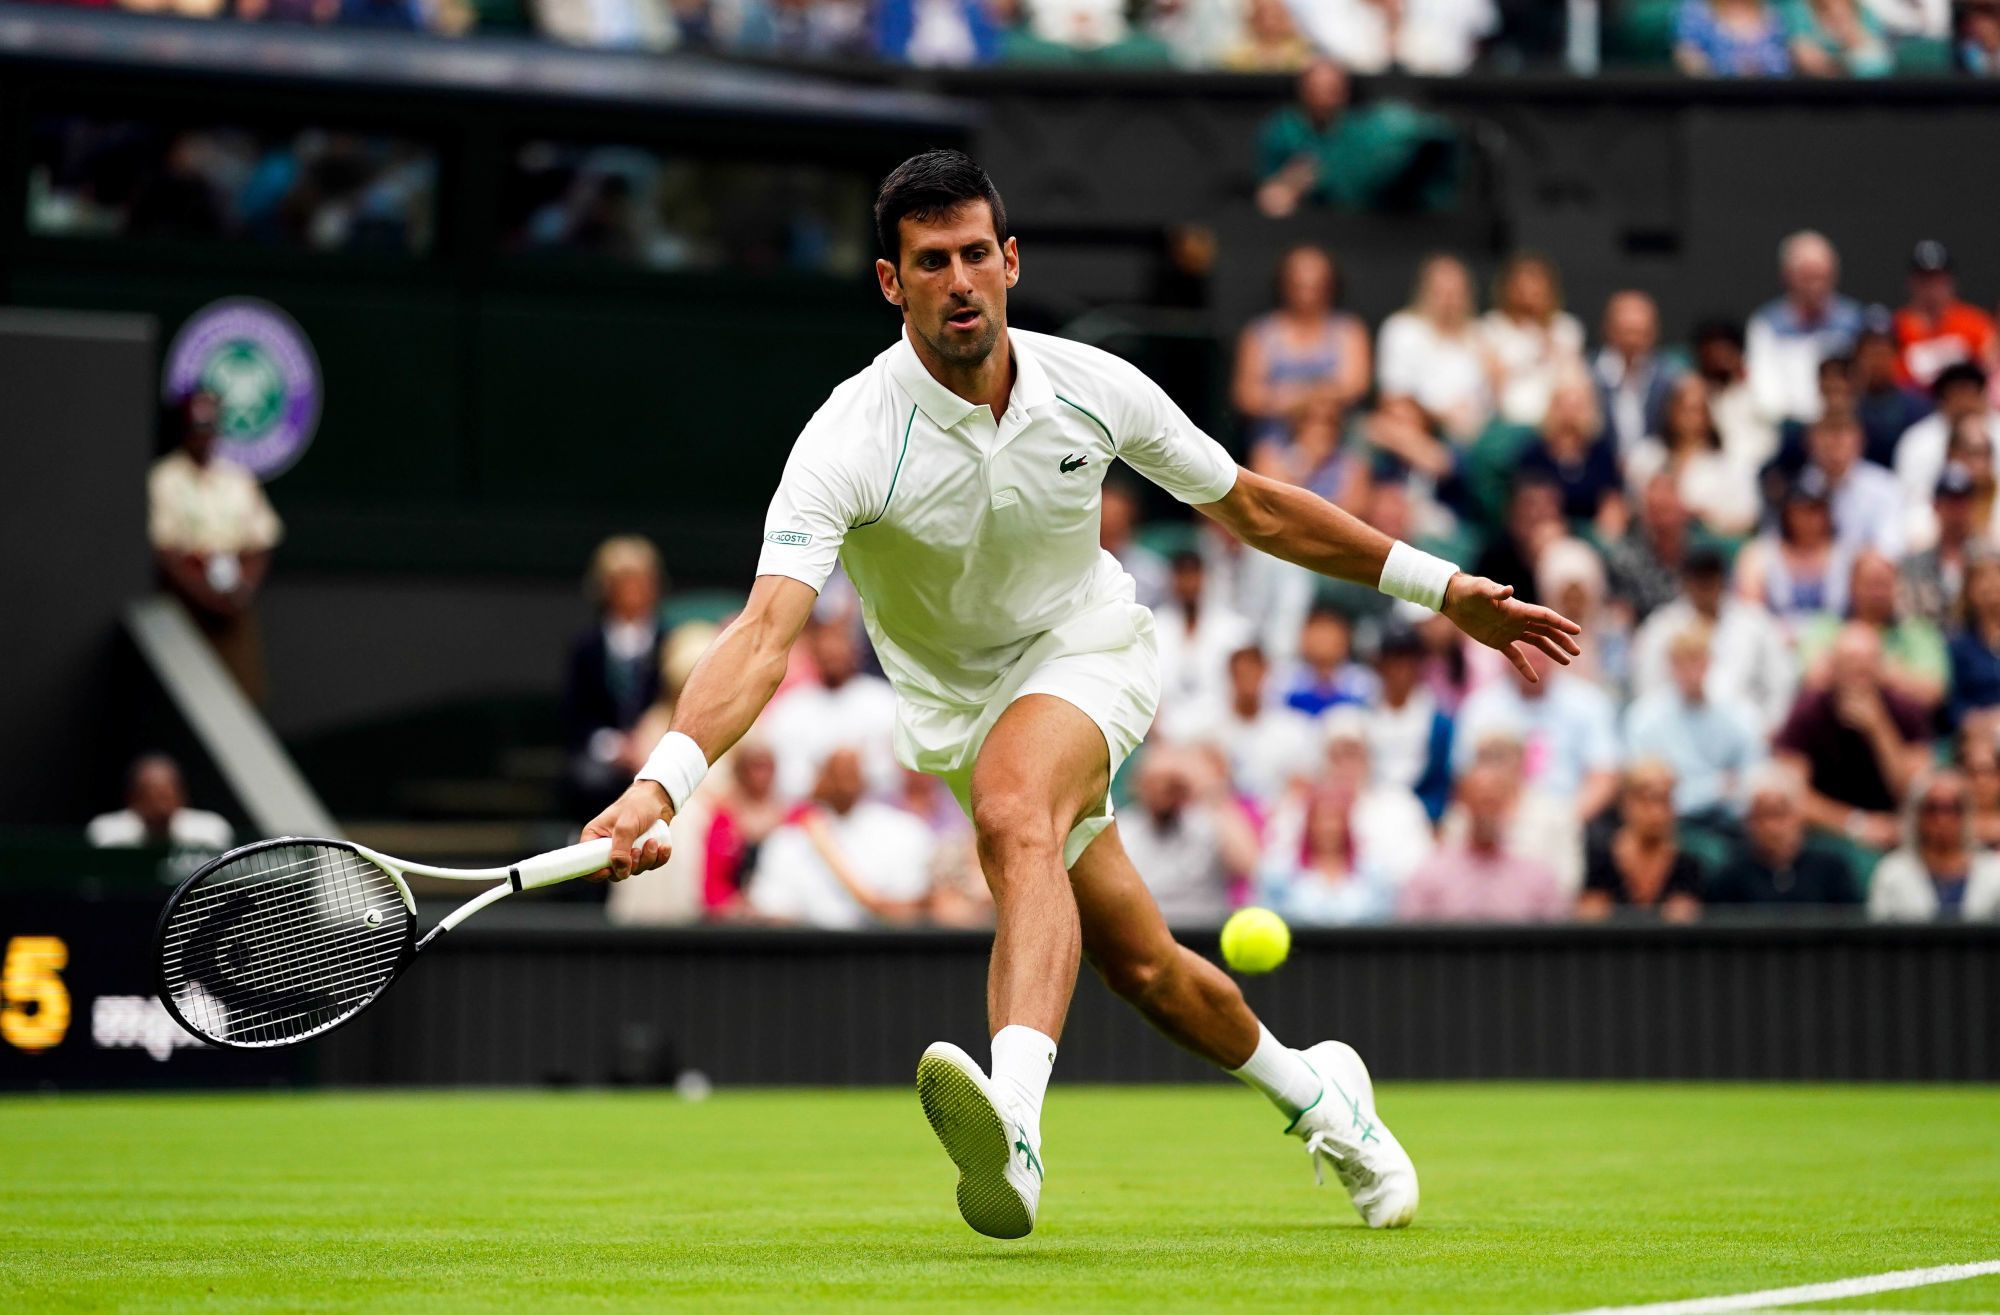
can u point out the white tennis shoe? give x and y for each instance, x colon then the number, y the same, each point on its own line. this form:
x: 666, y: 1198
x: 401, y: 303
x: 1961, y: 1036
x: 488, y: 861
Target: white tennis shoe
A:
x: 1342, y: 1130
x: 998, y: 1153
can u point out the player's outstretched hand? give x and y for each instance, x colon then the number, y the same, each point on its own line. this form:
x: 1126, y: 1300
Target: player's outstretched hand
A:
x: 1489, y: 612
x: 642, y: 804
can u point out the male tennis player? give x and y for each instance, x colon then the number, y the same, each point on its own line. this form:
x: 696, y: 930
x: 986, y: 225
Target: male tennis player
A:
x: 957, y: 480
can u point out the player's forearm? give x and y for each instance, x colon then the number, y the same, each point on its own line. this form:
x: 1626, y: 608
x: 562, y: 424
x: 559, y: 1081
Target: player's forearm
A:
x: 1302, y: 528
x: 731, y: 685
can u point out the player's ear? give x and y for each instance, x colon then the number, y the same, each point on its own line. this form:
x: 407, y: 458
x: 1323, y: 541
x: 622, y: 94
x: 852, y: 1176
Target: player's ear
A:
x: 1010, y: 254
x: 891, y: 282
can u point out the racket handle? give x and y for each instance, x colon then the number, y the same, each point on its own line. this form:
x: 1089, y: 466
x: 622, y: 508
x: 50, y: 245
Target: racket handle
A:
x: 559, y: 865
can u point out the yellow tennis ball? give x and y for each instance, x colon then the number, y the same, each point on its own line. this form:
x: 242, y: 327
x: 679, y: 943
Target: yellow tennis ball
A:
x: 1255, y: 940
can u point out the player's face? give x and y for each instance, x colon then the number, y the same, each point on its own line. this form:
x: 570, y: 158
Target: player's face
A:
x: 952, y: 282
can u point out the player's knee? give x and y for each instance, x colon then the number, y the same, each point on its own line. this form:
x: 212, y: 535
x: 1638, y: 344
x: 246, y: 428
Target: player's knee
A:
x: 1011, y: 826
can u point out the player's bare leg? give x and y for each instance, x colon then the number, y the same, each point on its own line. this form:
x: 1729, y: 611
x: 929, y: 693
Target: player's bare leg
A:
x: 1041, y: 767
x: 1326, y: 1091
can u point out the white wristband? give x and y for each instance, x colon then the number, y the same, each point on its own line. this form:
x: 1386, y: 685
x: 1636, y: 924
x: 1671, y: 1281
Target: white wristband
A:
x: 1415, y: 576
x: 677, y: 764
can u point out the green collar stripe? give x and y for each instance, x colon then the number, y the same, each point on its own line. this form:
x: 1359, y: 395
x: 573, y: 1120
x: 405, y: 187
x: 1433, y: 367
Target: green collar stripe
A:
x: 1093, y: 420
x: 907, y: 424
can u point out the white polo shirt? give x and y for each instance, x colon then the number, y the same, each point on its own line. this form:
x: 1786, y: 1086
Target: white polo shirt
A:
x: 967, y: 540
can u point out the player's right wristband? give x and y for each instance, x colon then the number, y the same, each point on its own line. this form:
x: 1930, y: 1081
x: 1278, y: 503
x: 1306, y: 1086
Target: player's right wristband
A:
x: 677, y: 764
x: 1415, y: 576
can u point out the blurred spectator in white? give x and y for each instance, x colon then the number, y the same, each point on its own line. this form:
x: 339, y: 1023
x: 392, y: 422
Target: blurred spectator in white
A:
x: 1409, y: 735
x: 1201, y: 34
x: 599, y: 24
x: 1856, y: 742
x: 1645, y: 561
x: 1933, y: 581
x: 1531, y: 339
x: 1269, y: 42
x: 156, y: 812
x: 1914, y: 663
x: 1479, y: 878
x: 1938, y: 873
x: 1195, y: 635
x: 844, y: 705
x: 1325, y: 672
x: 1975, y: 650
x: 1960, y: 392
x: 1267, y: 745
x: 681, y: 649
x: 1271, y: 596
x: 1639, y: 865
x: 846, y: 862
x: 1118, y: 517
x: 1319, y: 876
x: 212, y: 531
x: 1540, y: 824
x: 1789, y: 337
x: 1885, y: 405
x: 1839, y: 38
x: 807, y: 29
x: 1749, y: 437
x: 1434, y: 38
x: 1534, y: 521
x: 1730, y: 39
x: 1572, y: 453
x: 1632, y: 380
x: 1978, y: 45
x: 1774, y: 864
x: 1865, y: 500
x: 1079, y: 24
x: 1570, y: 576
x: 1390, y: 824
x: 937, y: 33
x: 1930, y: 19
x: 1687, y: 447
x: 1568, y: 728
x: 613, y: 674
x: 1797, y: 568
x: 1710, y: 744
x: 744, y: 809
x: 1749, y: 658
x: 1934, y: 329
x: 1302, y: 353
x: 1431, y: 356
x: 1188, y: 839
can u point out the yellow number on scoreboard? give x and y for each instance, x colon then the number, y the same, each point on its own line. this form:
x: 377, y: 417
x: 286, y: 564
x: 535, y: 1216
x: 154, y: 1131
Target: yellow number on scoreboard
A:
x: 35, y: 1015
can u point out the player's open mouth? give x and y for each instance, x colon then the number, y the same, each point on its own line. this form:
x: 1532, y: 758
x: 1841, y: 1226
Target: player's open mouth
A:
x: 964, y: 319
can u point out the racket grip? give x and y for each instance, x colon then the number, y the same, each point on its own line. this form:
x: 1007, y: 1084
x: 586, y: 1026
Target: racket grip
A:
x: 560, y: 865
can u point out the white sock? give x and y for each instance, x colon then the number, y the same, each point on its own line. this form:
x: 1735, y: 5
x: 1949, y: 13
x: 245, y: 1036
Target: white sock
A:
x: 1281, y: 1073
x: 1022, y: 1061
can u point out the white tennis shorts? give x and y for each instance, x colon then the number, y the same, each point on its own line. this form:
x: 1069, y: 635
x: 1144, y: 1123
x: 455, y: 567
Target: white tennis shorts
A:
x: 1105, y: 662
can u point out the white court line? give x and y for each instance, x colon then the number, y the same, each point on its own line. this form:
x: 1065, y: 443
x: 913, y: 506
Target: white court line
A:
x: 1834, y: 1291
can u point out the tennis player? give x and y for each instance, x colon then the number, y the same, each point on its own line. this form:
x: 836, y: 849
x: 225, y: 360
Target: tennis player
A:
x: 957, y: 479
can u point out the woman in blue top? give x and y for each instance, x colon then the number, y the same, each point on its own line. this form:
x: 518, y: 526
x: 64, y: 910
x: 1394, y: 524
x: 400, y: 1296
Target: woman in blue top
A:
x: 1302, y: 354
x: 1975, y: 650
x: 1730, y: 39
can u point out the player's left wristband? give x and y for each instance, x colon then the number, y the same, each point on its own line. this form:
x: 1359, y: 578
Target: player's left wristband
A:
x: 1415, y: 576
x: 677, y: 765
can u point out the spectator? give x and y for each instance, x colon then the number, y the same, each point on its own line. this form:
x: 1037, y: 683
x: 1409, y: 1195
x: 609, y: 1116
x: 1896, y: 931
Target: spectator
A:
x: 1478, y: 879
x: 937, y: 33
x: 1633, y: 382
x: 1432, y: 38
x: 1938, y: 874
x: 678, y: 653
x: 1304, y: 353
x: 1934, y: 329
x: 1118, y: 515
x: 1322, y: 879
x: 1687, y: 447
x: 1639, y: 864
x: 212, y: 531
x: 1646, y: 560
x: 613, y: 675
x: 745, y: 811
x: 1749, y: 438
x: 1960, y: 392
x: 1708, y: 743
x: 1186, y: 837
x: 1267, y: 746
x: 1855, y: 742
x: 1409, y: 735
x: 1885, y: 405
x: 1933, y: 581
x: 1836, y: 38
x: 1774, y: 864
x: 1567, y: 726
x: 959, y: 895
x: 1540, y: 825
x: 1978, y: 47
x: 1749, y: 660
x: 156, y: 813
x: 1325, y: 673
x: 1863, y: 498
x: 1391, y: 827
x: 832, y: 29
x: 1270, y: 42
x: 1798, y: 568
x: 1571, y: 576
x: 1195, y: 636
x: 845, y: 862
x: 1533, y: 342
x: 1975, y: 650
x: 843, y: 706
x: 1730, y: 39
x: 1573, y: 454
x: 1386, y: 156
x: 1534, y: 521
x: 1789, y: 337
x: 1928, y: 19
x: 1979, y: 759
x: 1914, y: 663
x: 1432, y: 357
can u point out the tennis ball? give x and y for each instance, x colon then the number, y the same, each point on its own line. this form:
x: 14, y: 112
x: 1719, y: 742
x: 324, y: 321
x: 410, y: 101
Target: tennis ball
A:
x: 1255, y: 940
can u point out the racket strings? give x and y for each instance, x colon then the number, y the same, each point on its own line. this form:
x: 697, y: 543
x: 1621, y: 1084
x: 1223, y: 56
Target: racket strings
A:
x: 282, y: 943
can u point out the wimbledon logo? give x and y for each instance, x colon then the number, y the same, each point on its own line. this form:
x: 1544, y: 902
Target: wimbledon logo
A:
x: 258, y: 363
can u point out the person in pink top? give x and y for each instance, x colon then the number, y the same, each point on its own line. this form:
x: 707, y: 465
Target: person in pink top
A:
x: 1478, y: 880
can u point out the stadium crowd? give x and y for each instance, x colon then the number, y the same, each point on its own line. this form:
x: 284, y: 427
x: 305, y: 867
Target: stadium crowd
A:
x: 1779, y: 537
x: 1719, y: 38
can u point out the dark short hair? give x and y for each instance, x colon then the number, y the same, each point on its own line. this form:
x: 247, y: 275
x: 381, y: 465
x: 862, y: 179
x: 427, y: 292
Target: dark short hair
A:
x: 1719, y: 330
x: 1958, y: 372
x: 1703, y: 564
x: 1186, y: 559
x: 928, y: 187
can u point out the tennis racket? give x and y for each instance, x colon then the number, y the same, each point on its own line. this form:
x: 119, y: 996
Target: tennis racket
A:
x: 273, y: 943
